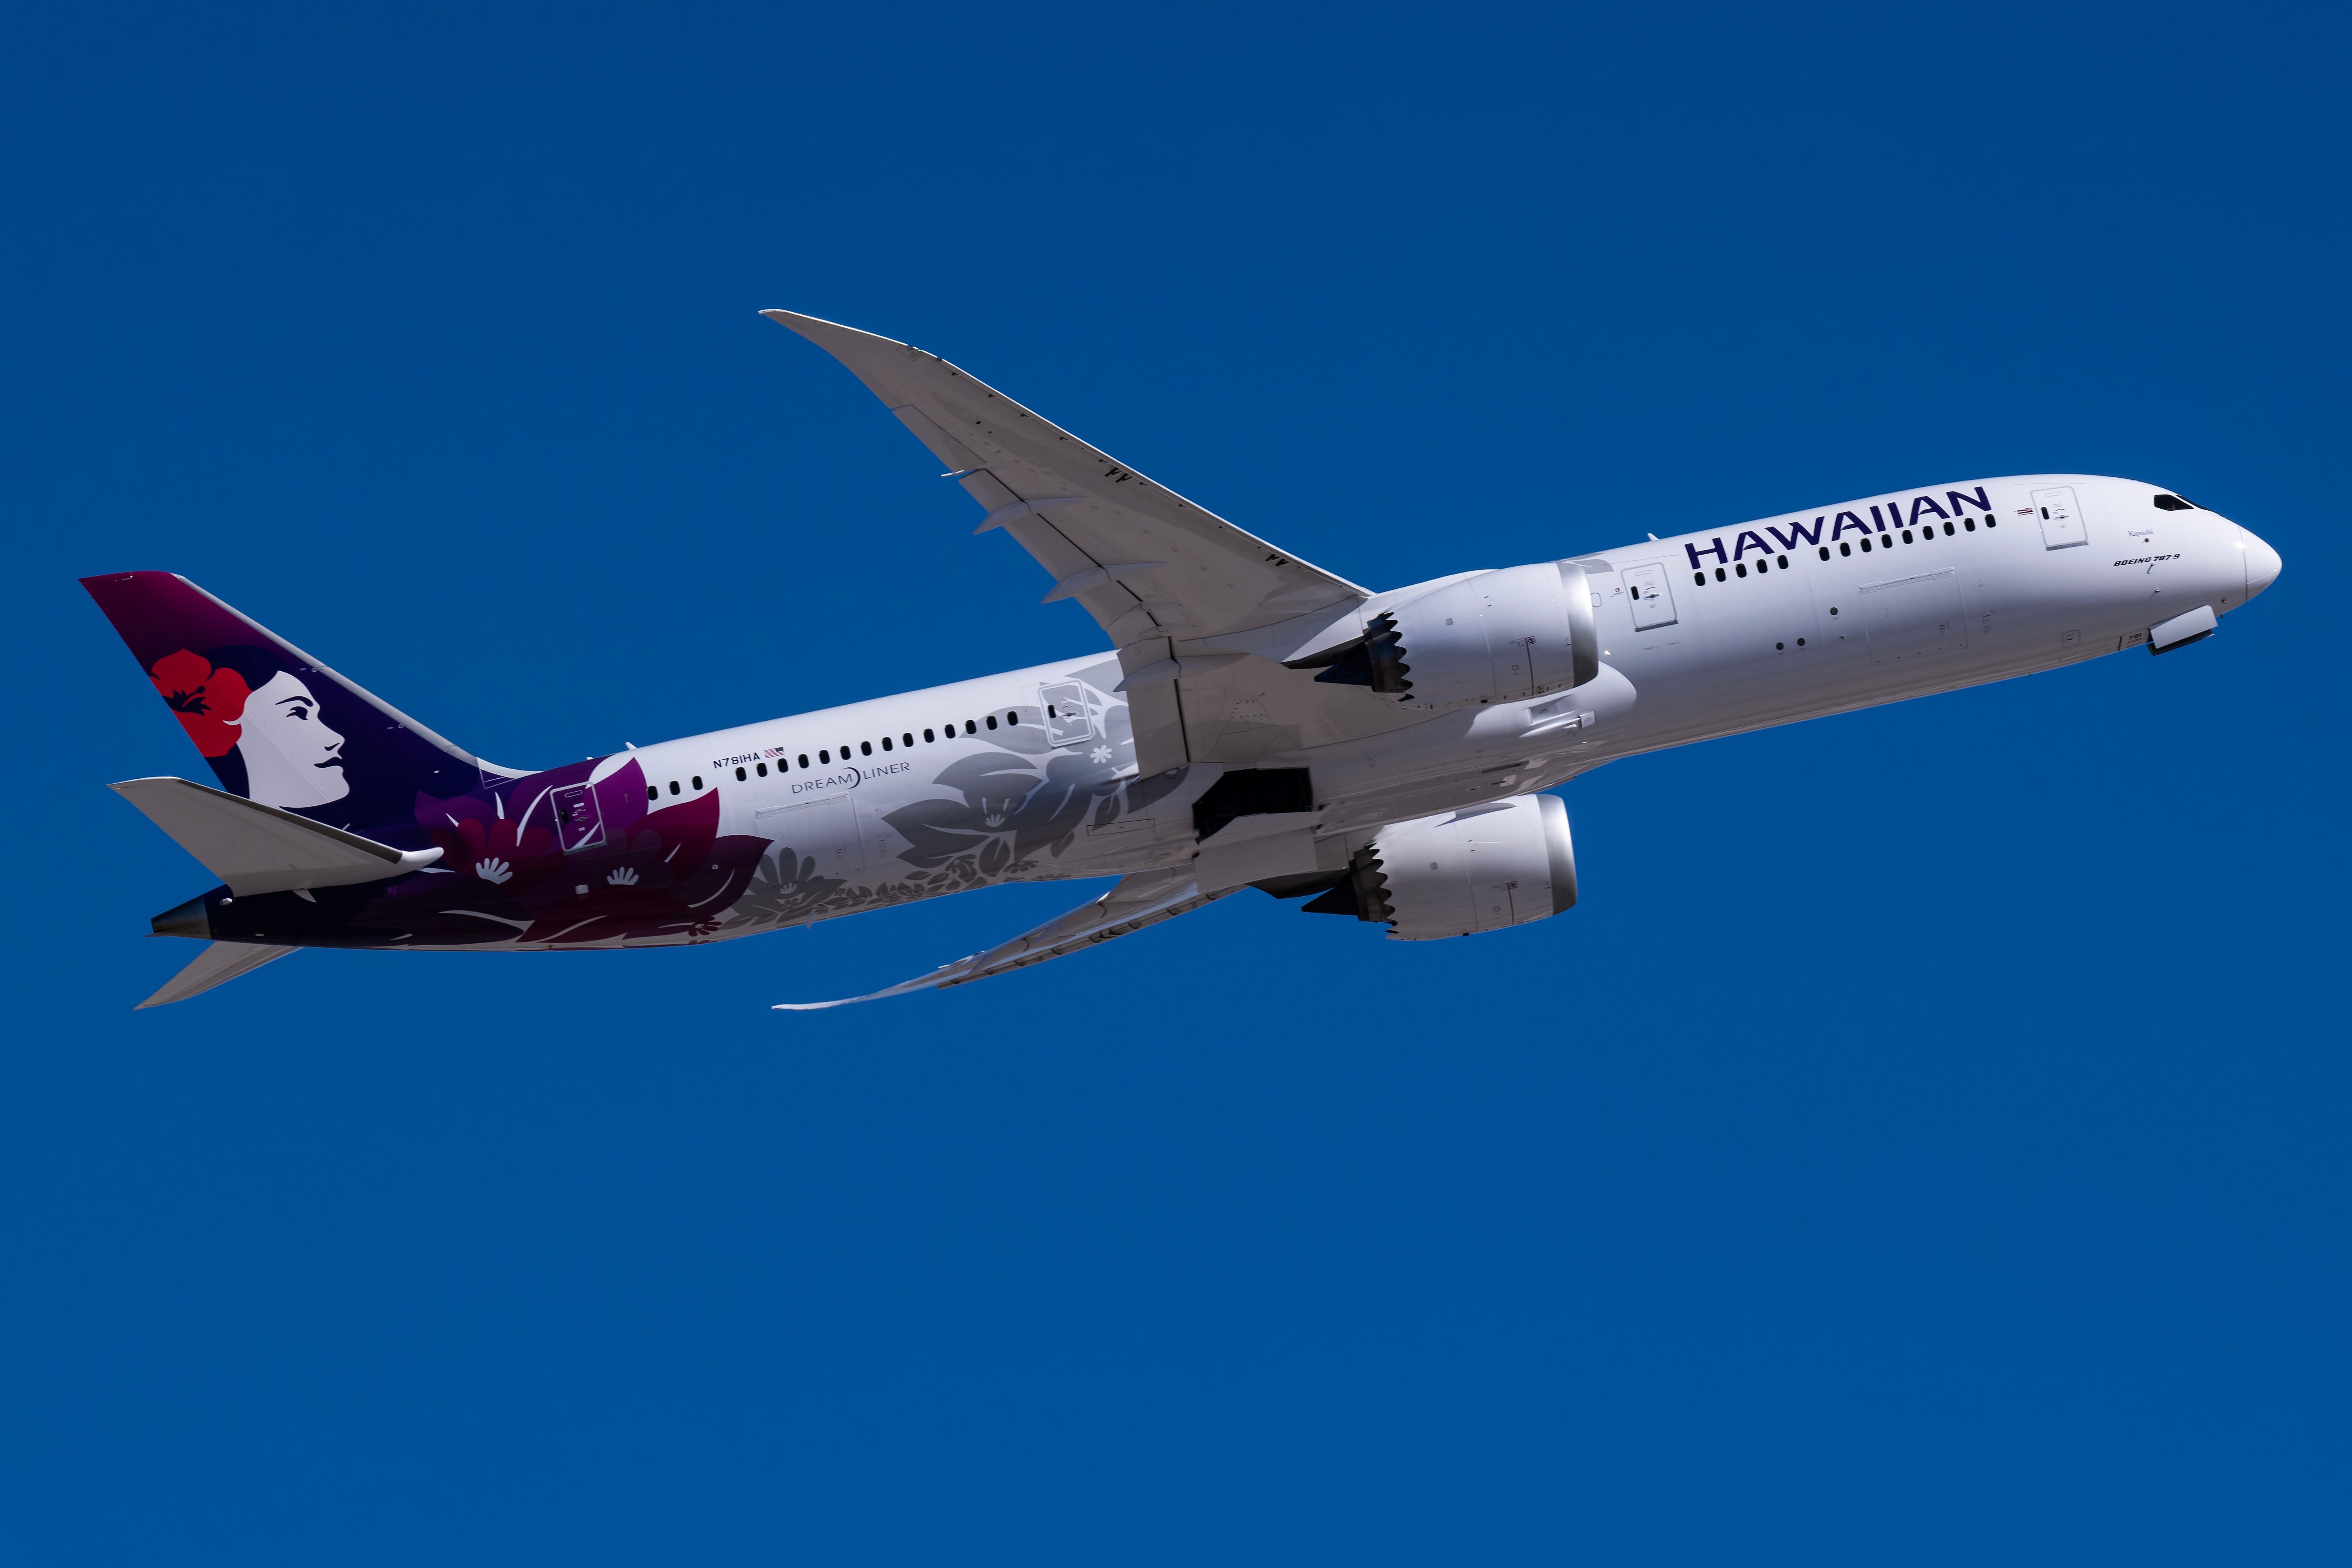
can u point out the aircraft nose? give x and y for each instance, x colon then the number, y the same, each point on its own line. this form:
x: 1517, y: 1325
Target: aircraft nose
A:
x: 2262, y: 562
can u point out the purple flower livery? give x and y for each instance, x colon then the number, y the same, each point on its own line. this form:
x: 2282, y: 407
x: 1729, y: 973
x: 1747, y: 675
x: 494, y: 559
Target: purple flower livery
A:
x: 504, y: 877
x: 594, y: 853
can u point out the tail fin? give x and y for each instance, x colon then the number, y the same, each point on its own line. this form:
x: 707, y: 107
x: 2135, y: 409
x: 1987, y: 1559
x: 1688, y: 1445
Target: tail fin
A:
x: 276, y: 725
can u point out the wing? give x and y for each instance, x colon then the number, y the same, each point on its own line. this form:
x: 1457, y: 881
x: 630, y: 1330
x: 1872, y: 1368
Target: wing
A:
x: 215, y: 965
x: 1145, y: 563
x: 1144, y: 899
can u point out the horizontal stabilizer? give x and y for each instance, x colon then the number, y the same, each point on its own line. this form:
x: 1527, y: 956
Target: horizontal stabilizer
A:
x: 1147, y: 898
x: 216, y: 965
x: 255, y: 847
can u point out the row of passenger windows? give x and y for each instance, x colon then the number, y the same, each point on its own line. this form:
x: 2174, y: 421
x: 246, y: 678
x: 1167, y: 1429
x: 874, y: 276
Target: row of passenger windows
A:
x: 1884, y: 541
x: 1740, y: 569
x: 864, y: 749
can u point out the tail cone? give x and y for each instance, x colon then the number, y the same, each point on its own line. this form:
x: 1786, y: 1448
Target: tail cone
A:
x: 188, y: 920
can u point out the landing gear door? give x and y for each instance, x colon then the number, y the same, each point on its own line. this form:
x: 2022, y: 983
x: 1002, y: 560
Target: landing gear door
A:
x: 1069, y: 716
x: 2062, y: 518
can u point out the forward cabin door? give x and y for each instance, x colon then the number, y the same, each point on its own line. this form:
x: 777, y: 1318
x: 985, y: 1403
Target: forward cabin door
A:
x: 2062, y: 518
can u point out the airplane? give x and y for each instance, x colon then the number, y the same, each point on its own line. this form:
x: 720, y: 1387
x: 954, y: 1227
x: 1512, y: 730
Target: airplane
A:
x: 1257, y: 722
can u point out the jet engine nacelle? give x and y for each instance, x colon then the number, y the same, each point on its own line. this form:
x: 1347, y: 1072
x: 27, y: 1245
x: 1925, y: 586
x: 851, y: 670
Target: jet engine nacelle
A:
x: 1479, y: 869
x: 1500, y: 635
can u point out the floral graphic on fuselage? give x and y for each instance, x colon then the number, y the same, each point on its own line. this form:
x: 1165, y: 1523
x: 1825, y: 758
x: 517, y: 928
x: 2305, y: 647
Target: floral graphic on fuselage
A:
x: 578, y: 856
x: 1016, y: 806
x: 504, y: 877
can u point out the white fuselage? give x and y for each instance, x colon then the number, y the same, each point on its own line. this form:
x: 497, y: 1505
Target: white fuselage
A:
x: 1703, y: 634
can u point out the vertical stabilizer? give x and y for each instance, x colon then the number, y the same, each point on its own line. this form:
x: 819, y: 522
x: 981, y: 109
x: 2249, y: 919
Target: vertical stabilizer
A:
x: 276, y: 725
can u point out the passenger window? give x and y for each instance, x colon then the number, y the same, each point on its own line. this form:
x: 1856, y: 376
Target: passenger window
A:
x: 1947, y: 530
x: 1050, y: 712
x: 1783, y: 563
x: 824, y: 756
x: 697, y: 780
x: 927, y: 738
x: 805, y: 758
x: 1906, y: 536
x: 1718, y: 574
x: 1762, y: 567
x: 741, y: 776
x: 972, y: 728
x: 652, y: 791
x: 762, y: 768
x: 1739, y: 568
x: 1969, y: 524
x: 1846, y: 550
x: 1012, y: 720
x: 672, y: 786
x: 992, y: 721
x: 885, y: 742
x: 1825, y: 552
x: 1865, y: 544
x: 1700, y: 578
x: 906, y: 740
x: 864, y: 749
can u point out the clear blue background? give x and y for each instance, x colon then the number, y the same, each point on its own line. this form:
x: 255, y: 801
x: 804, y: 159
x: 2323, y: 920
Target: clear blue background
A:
x: 1925, y: 1144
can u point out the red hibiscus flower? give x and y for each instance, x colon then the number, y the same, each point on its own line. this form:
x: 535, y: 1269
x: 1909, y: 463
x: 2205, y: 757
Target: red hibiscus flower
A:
x: 208, y: 700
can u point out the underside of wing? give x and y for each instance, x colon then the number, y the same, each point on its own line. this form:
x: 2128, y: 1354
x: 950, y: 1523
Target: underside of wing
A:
x: 1144, y: 899
x: 1144, y: 561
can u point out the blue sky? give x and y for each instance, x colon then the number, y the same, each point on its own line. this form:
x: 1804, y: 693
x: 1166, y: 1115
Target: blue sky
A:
x: 1925, y: 1143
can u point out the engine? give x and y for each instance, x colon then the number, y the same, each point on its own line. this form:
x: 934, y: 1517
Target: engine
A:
x: 1494, y: 637
x: 1479, y: 869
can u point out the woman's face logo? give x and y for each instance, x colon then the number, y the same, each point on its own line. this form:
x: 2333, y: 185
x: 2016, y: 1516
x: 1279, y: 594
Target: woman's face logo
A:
x: 291, y: 758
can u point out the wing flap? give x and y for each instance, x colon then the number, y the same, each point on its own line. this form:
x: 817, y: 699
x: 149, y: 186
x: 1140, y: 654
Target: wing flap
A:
x: 1145, y: 899
x: 255, y: 847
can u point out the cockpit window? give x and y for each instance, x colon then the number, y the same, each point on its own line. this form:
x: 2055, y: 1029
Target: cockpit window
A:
x: 2174, y: 504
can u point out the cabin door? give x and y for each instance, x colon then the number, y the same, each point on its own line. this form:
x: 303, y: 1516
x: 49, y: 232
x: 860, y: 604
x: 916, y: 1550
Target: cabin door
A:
x: 1652, y: 597
x: 2062, y: 518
